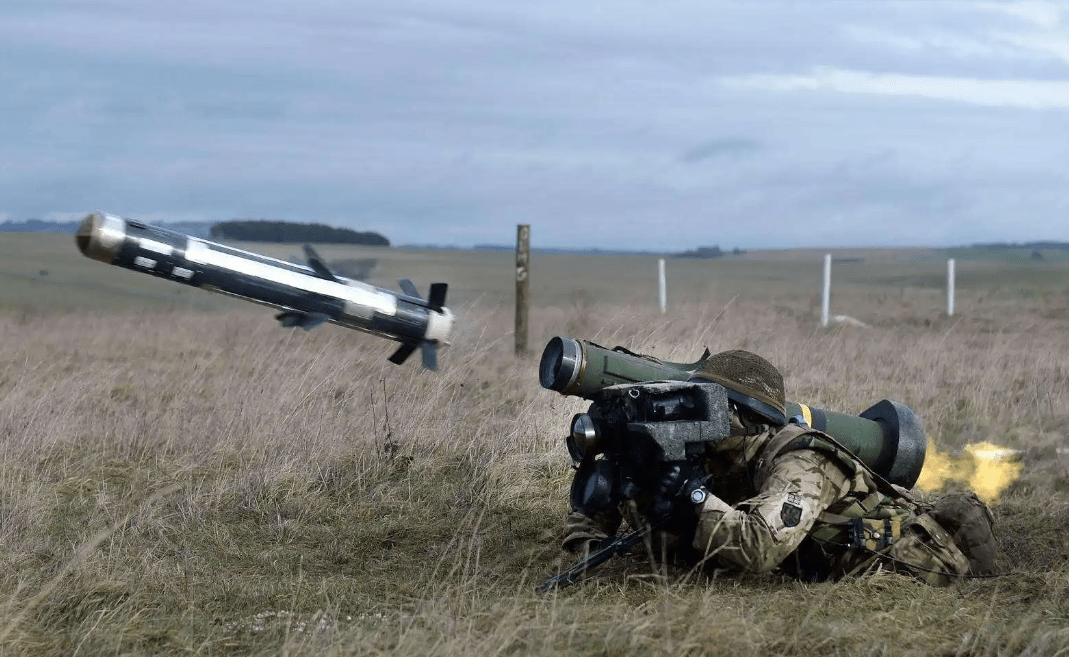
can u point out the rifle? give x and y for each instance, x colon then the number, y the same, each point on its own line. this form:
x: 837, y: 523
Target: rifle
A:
x: 609, y: 549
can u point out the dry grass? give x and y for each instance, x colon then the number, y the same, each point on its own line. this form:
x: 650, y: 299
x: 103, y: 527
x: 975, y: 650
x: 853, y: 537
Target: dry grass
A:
x: 175, y: 481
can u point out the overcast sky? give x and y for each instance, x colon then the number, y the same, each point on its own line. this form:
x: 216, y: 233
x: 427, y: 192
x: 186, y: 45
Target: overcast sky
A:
x: 664, y: 124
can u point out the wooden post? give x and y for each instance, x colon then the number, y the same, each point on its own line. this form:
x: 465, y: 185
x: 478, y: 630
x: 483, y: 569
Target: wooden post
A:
x: 825, y: 299
x: 950, y: 287
x: 662, y: 285
x: 523, y: 260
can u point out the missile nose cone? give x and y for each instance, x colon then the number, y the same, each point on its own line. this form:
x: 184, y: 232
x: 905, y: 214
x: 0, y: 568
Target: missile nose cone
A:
x: 100, y: 236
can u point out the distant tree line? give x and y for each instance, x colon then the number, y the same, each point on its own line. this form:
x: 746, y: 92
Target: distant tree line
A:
x: 38, y: 226
x: 1035, y: 246
x: 706, y: 252
x: 289, y: 232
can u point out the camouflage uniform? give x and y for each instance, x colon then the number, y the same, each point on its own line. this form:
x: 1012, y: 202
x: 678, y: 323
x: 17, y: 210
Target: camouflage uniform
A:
x: 787, y: 497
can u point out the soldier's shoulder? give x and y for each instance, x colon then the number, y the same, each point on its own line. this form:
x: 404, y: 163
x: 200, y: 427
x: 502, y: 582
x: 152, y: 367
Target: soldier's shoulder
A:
x: 796, y: 441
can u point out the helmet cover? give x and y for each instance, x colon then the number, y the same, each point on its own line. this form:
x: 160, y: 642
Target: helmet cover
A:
x: 751, y: 381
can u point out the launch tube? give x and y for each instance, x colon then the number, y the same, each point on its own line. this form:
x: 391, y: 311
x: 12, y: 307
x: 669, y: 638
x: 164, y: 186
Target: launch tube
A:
x: 583, y: 368
x: 887, y: 436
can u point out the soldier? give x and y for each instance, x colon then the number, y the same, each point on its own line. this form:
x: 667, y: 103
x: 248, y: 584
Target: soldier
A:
x: 779, y: 494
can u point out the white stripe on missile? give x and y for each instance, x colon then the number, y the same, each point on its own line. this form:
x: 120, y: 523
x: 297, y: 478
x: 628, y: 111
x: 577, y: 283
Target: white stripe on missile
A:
x: 156, y: 247
x: 354, y: 292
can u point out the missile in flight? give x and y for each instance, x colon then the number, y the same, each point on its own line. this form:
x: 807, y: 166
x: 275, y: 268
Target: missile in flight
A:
x: 307, y: 295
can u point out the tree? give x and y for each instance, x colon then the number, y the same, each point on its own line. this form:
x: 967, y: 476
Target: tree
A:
x: 246, y: 230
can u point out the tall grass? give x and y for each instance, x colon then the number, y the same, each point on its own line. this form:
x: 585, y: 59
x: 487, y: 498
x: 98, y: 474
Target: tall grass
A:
x: 177, y: 482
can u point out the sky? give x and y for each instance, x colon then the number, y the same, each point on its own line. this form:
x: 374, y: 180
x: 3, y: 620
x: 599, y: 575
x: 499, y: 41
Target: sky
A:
x: 634, y: 124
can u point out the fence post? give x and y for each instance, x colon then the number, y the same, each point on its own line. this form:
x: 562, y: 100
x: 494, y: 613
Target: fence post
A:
x: 663, y: 286
x: 523, y: 260
x: 950, y: 287
x: 825, y: 299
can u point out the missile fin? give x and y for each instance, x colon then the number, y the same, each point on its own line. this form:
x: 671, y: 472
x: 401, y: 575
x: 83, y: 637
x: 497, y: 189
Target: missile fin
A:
x: 409, y: 288
x: 436, y: 300
x: 403, y: 352
x: 317, y: 264
x: 307, y: 321
x: 289, y: 319
x: 430, y: 354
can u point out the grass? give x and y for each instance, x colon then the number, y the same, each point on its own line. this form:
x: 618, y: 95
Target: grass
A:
x: 42, y: 273
x: 178, y: 480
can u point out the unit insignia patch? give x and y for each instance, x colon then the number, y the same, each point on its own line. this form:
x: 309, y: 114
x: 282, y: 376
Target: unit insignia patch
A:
x: 791, y: 513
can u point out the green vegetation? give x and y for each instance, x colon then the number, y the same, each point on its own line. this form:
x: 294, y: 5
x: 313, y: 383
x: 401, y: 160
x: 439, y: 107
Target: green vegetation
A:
x: 180, y: 479
x: 38, y: 226
x: 707, y: 252
x: 289, y: 232
x: 1018, y: 256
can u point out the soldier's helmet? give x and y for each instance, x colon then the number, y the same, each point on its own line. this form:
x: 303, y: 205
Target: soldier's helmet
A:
x: 751, y: 382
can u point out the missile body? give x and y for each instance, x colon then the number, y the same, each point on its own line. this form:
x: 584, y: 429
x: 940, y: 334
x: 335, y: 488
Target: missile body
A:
x: 306, y: 295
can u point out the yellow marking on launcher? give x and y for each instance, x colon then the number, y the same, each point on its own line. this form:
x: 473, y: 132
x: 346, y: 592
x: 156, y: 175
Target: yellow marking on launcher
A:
x: 807, y: 415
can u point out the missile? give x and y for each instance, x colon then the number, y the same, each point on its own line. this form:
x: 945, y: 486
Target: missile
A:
x: 307, y: 295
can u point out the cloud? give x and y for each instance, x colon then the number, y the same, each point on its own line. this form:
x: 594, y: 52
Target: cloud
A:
x: 1024, y: 94
x: 1041, y: 14
x: 933, y: 42
x: 1054, y: 46
x: 719, y: 147
x: 1035, y: 34
x: 658, y: 125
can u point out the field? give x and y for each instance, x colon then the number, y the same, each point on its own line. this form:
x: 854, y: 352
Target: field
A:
x: 180, y: 475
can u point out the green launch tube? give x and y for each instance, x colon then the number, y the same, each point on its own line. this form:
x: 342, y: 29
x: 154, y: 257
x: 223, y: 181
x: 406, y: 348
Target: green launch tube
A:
x: 888, y: 436
x: 583, y: 368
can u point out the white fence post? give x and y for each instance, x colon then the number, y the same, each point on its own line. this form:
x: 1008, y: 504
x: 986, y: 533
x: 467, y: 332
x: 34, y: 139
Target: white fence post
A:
x: 663, y: 286
x: 825, y: 300
x: 950, y: 287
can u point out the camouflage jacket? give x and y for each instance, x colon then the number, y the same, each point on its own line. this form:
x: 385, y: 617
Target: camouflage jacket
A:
x: 788, y: 498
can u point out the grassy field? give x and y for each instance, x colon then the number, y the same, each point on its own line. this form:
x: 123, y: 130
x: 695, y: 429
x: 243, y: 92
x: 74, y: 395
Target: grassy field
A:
x: 179, y: 475
x: 44, y: 273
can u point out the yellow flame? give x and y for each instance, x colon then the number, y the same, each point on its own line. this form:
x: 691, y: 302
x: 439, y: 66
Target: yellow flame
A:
x: 987, y: 469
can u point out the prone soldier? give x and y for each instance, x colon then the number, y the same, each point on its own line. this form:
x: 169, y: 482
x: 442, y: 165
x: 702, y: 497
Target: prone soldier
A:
x: 777, y: 494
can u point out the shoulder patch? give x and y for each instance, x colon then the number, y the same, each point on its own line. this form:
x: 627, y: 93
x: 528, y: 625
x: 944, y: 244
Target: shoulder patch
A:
x: 791, y: 513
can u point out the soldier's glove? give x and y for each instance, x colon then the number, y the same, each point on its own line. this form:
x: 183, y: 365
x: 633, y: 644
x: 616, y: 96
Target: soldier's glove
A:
x: 582, y: 547
x: 681, y: 489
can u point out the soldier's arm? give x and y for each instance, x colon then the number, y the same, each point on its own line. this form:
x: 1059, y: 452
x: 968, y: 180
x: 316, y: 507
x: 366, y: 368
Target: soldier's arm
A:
x: 759, y: 533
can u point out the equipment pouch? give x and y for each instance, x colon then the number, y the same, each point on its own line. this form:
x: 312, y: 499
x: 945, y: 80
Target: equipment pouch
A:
x: 875, y: 533
x: 861, y: 525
